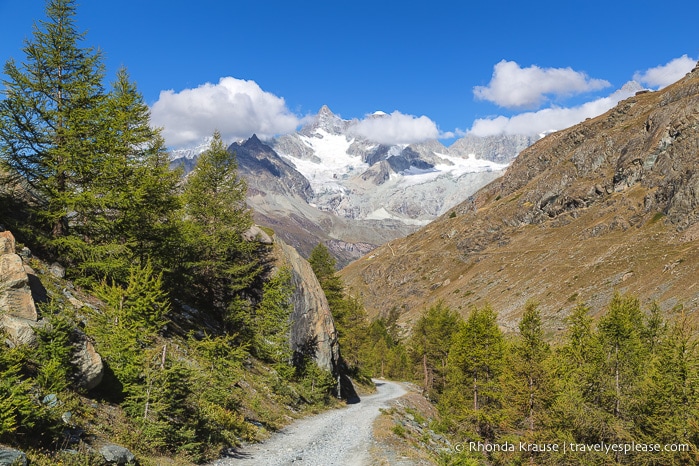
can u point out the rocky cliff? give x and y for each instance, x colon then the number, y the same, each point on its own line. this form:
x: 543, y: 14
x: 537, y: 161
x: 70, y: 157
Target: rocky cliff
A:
x: 611, y: 204
x: 312, y: 325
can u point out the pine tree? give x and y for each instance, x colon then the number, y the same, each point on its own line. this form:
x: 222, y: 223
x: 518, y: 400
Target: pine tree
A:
x: 221, y: 264
x: 50, y: 117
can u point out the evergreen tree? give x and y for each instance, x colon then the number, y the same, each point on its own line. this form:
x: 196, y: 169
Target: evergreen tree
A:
x: 50, y: 117
x: 531, y: 378
x: 129, y: 324
x: 220, y: 263
x: 476, y: 362
x: 271, y: 322
x: 429, y: 346
x: 128, y: 213
x: 575, y: 411
x: 669, y: 405
x: 18, y: 411
x: 620, y: 332
x: 352, y: 330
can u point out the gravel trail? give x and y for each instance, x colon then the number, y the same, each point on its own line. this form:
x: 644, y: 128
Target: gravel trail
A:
x: 337, y: 437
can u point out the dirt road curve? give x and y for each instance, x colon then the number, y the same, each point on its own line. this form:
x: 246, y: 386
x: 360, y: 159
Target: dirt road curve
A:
x: 337, y: 437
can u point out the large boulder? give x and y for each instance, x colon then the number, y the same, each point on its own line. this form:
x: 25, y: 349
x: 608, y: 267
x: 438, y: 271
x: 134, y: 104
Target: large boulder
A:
x: 10, y: 457
x: 312, y: 326
x: 115, y: 454
x: 18, y: 315
x: 88, y: 363
x: 15, y: 294
x: 7, y: 243
x: 19, y: 331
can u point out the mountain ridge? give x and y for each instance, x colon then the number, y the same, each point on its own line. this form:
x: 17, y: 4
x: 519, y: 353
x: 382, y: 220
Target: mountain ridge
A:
x: 326, y: 184
x: 608, y: 205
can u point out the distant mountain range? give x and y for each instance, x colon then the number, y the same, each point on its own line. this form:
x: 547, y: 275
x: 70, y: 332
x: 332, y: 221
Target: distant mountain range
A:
x: 326, y: 184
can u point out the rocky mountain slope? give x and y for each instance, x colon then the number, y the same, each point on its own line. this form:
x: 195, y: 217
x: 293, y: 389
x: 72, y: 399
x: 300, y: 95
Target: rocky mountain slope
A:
x: 611, y: 204
x: 327, y: 184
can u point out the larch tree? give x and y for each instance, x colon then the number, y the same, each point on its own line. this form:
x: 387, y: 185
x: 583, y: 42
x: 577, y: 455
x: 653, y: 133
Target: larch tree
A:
x: 476, y: 360
x: 221, y: 263
x: 50, y: 120
x: 529, y: 354
x: 429, y: 345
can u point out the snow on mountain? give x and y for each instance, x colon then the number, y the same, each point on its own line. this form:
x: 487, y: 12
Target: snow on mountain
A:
x: 332, y: 163
x: 356, y: 178
x: 327, y: 184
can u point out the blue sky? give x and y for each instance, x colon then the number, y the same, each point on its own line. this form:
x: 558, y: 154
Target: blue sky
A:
x: 439, y: 68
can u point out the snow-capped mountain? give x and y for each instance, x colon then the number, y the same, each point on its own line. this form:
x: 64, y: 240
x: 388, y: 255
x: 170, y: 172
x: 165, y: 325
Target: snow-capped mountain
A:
x: 327, y: 184
x: 356, y: 178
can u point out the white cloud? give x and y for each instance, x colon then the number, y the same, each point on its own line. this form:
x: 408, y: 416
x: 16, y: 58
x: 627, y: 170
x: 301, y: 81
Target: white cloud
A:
x: 666, y: 74
x: 512, y: 86
x: 236, y: 107
x: 550, y: 119
x: 397, y: 128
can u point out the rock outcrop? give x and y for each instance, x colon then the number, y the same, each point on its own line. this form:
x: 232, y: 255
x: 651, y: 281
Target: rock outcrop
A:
x: 116, y: 454
x: 20, y: 288
x: 18, y: 314
x: 312, y: 326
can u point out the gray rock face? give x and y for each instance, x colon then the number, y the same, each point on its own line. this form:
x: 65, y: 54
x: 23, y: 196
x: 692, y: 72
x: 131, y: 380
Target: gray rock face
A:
x: 501, y: 148
x: 264, y: 170
x: 88, y: 363
x: 10, y: 457
x: 115, y: 454
x: 312, y: 323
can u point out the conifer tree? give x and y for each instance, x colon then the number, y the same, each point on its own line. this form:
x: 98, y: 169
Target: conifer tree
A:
x: 429, y: 345
x: 620, y: 332
x: 530, y: 352
x: 323, y: 265
x: 128, y: 213
x: 669, y: 404
x: 220, y: 264
x: 271, y: 322
x: 476, y: 363
x: 347, y: 311
x: 50, y: 117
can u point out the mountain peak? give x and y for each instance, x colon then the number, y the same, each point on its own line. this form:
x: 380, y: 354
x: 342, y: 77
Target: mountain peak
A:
x: 327, y: 121
x: 325, y: 111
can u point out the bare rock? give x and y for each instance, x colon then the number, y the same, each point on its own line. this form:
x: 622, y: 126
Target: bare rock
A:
x: 15, y: 294
x: 255, y: 233
x: 88, y: 364
x: 11, y: 457
x: 57, y: 270
x: 18, y: 330
x: 115, y: 454
x: 312, y: 328
x: 7, y: 243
